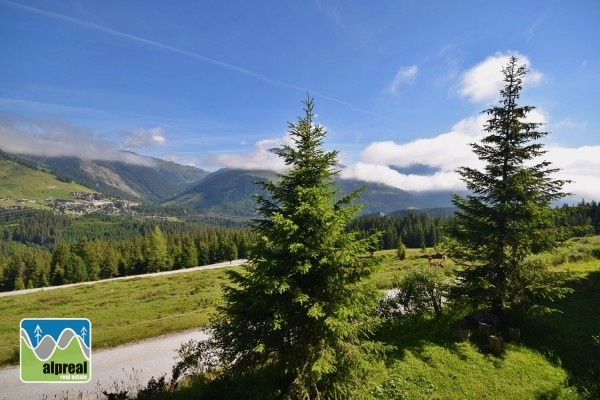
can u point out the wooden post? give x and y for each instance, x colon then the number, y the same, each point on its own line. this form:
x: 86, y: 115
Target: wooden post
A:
x: 497, y: 343
x: 486, y: 330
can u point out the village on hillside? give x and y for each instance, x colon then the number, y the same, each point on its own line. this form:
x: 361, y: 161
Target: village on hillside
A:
x: 79, y: 203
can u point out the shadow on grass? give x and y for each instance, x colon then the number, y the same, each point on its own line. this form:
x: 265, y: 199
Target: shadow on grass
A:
x: 571, y: 338
x: 415, y: 333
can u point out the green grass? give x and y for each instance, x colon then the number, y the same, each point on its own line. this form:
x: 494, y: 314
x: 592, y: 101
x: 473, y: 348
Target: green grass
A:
x: 431, y: 362
x: 19, y: 182
x: 558, y: 356
x: 392, y: 267
x: 460, y: 371
x: 121, y: 311
x: 571, y: 338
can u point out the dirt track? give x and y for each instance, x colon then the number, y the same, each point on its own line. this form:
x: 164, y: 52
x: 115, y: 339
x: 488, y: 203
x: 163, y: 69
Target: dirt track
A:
x: 128, y: 366
x: 177, y: 271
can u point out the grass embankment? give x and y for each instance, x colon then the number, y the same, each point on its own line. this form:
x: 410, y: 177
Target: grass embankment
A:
x: 557, y: 356
x: 135, y: 309
x: 430, y: 362
x: 121, y: 311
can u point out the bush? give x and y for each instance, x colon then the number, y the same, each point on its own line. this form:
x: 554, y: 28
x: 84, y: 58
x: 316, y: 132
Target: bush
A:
x: 421, y: 290
x: 155, y: 390
x: 401, y: 251
x: 194, y: 358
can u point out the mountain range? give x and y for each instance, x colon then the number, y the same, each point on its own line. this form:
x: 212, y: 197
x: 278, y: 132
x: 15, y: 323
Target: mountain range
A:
x: 226, y: 191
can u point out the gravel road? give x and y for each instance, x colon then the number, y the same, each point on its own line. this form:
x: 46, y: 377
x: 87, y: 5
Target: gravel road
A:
x: 128, y: 366
x: 177, y: 271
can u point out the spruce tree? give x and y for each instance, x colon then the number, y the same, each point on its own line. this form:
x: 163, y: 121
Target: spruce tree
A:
x: 302, y: 304
x: 507, y: 214
x: 156, y: 251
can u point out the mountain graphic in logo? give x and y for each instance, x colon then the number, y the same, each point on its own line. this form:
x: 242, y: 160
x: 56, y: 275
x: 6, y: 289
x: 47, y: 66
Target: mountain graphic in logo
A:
x: 55, y: 350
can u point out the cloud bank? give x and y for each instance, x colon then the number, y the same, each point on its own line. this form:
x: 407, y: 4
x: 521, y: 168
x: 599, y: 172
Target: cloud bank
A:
x: 448, y: 151
x: 56, y: 138
x: 443, y: 153
x: 383, y: 161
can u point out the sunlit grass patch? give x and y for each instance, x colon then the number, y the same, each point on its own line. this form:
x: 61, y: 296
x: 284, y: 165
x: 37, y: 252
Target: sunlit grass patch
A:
x: 121, y: 311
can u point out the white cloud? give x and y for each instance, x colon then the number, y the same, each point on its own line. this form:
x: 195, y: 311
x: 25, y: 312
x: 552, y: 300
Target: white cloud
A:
x: 370, y: 172
x: 144, y: 137
x: 405, y: 75
x: 448, y: 151
x: 444, y: 152
x: 579, y: 164
x: 260, y: 157
x: 55, y: 138
x: 483, y: 82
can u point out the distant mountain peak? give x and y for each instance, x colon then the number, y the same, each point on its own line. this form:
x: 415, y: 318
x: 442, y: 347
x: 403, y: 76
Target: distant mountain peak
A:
x: 275, y: 150
x: 415, y: 169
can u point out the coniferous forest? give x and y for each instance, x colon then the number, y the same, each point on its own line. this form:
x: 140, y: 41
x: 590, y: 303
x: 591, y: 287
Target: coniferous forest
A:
x: 44, y: 249
x: 40, y: 248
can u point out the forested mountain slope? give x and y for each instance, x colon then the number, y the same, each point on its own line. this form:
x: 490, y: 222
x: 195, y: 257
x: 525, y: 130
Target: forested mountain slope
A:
x: 230, y: 191
x: 226, y: 191
x: 19, y: 182
x: 153, y: 181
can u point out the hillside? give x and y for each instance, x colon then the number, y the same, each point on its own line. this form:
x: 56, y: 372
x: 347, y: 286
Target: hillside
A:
x: 18, y: 182
x: 226, y: 191
x: 151, y: 183
x: 230, y: 191
x: 378, y: 197
x: 557, y: 355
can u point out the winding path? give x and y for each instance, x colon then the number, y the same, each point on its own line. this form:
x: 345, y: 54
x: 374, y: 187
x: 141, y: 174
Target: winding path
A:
x: 175, y: 271
x: 126, y: 367
x: 123, y: 368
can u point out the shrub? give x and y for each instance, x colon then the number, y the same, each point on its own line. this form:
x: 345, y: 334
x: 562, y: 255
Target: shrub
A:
x: 421, y: 290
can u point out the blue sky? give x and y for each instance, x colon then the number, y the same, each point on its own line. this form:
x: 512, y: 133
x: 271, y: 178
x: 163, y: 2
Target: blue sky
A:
x: 214, y: 83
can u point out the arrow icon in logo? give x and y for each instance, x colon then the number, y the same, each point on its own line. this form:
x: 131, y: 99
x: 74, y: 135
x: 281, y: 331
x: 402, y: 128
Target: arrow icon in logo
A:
x: 38, y: 333
x: 83, y: 332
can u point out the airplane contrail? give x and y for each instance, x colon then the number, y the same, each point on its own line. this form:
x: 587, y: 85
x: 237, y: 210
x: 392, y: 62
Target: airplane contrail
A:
x: 186, y: 53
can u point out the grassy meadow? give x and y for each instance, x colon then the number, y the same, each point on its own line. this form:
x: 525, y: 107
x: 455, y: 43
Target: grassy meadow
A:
x: 19, y: 182
x: 120, y: 311
x: 557, y: 356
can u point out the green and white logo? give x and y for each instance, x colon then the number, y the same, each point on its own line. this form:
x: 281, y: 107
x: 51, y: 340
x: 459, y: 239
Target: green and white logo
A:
x: 56, y: 350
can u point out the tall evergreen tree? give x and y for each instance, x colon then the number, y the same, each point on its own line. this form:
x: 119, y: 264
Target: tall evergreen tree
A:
x: 508, y: 214
x: 189, y: 253
x: 302, y: 303
x: 85, y: 249
x: 156, y: 252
